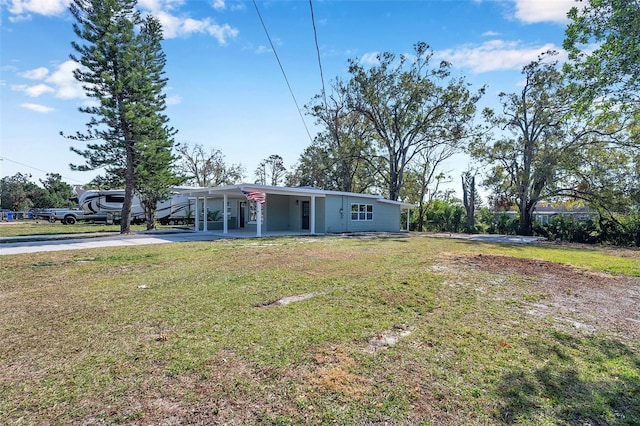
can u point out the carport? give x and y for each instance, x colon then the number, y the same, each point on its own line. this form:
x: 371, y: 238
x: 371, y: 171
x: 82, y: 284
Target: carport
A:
x: 243, y: 208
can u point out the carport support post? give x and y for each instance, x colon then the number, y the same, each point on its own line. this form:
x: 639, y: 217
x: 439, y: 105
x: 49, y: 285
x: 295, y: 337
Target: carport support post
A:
x: 312, y: 215
x: 225, y: 215
x: 259, y: 221
x: 408, y: 216
x: 197, y: 222
x: 205, y: 214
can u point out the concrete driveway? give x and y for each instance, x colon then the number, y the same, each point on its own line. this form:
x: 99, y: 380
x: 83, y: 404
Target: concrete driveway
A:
x: 39, y: 243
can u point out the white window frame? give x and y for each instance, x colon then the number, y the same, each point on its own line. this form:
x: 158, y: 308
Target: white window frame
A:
x: 361, y: 212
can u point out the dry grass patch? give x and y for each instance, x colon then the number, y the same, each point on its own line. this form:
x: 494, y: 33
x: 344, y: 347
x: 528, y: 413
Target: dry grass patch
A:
x: 333, y: 375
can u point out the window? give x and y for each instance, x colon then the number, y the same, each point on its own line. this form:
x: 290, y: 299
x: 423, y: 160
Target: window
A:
x: 110, y: 198
x: 361, y: 211
x: 253, y: 212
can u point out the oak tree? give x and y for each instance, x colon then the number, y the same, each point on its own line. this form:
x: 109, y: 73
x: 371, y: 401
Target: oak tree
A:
x: 207, y: 168
x: 412, y: 108
x: 541, y: 148
x: 340, y: 157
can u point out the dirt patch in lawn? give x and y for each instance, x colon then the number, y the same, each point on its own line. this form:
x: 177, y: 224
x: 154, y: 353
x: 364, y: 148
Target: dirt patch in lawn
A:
x: 287, y: 300
x: 583, y: 299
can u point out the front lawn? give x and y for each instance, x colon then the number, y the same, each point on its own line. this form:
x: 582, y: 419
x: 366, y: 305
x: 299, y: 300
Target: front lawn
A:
x: 396, y: 330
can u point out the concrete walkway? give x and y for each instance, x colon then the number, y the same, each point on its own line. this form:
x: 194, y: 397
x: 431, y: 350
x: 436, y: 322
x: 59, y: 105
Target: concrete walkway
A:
x: 39, y: 243
x: 490, y: 238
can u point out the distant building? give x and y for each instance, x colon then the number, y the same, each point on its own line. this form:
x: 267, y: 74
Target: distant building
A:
x: 543, y: 213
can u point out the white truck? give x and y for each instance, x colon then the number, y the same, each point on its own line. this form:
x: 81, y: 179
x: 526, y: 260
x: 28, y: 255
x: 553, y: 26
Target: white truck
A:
x: 71, y: 216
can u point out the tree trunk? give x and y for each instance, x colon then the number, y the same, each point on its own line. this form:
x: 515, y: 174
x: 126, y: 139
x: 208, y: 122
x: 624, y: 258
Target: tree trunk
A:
x: 149, y: 206
x: 129, y: 190
x: 420, y: 224
x: 469, y: 199
x: 525, y: 226
x: 150, y: 217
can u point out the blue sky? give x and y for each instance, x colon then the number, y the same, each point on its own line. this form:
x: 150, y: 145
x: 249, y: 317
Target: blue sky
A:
x: 225, y: 88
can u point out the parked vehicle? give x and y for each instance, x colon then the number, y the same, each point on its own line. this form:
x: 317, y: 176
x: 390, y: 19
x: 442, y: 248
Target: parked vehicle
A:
x: 52, y: 215
x: 71, y: 216
x: 175, y: 210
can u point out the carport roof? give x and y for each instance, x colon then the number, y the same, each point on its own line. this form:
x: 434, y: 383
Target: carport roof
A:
x: 237, y: 191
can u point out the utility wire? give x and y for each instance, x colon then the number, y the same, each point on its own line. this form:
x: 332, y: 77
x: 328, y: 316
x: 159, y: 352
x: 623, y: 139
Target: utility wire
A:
x: 282, y: 69
x: 35, y: 168
x: 315, y: 35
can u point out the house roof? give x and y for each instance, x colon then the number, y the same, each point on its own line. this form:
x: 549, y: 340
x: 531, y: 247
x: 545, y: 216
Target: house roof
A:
x: 237, y: 191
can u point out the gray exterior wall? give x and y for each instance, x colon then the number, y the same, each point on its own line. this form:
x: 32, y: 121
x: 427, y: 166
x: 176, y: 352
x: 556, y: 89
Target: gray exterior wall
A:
x: 386, y: 217
x: 277, y: 213
x: 321, y: 215
x: 336, y: 210
x: 295, y: 213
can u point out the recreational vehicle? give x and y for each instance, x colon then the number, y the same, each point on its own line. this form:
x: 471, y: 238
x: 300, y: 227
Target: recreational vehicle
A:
x: 175, y: 210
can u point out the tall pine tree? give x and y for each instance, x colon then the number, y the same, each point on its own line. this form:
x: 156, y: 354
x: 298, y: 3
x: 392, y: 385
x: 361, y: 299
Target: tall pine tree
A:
x: 122, y: 69
x: 154, y: 169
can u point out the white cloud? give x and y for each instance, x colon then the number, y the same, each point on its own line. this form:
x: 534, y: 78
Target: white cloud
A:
x: 32, y: 91
x: 173, y: 100
x: 175, y: 26
x: 40, y: 7
x: 152, y: 5
x: 531, y: 11
x: 219, y: 4
x: 19, y: 18
x: 495, y: 55
x: 61, y: 83
x: 35, y: 74
x: 370, y: 58
x: 156, y: 5
x: 237, y: 5
x: 65, y: 84
x: 263, y: 49
x: 37, y: 90
x: 222, y: 32
x: 490, y: 34
x: 182, y: 26
x: 37, y: 108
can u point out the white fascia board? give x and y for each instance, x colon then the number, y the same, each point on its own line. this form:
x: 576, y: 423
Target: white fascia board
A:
x: 283, y: 190
x: 398, y: 203
x: 236, y: 191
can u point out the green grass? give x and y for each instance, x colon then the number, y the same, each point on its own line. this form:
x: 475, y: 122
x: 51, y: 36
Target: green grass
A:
x: 82, y: 343
x: 23, y: 228
x: 608, y: 259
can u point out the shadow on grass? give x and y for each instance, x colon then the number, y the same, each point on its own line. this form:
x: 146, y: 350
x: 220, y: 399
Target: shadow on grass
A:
x: 579, y: 381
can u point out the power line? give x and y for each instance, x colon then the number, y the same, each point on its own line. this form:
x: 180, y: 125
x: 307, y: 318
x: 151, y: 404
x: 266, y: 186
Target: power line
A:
x: 282, y: 69
x: 35, y: 168
x: 315, y: 36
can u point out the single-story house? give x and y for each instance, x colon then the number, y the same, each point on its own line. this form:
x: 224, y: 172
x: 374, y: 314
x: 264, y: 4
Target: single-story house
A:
x: 544, y: 212
x: 264, y: 209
